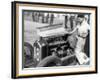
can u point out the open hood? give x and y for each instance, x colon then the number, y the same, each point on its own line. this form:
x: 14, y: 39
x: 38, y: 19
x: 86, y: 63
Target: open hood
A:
x: 51, y: 32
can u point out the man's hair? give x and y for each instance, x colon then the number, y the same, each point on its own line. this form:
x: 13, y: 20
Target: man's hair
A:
x: 81, y: 15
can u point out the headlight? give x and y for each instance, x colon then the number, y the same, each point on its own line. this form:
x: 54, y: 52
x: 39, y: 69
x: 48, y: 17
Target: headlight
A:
x: 37, y: 49
x: 38, y: 59
x: 37, y: 53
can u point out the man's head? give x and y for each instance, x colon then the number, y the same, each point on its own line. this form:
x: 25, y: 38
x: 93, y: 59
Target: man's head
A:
x: 80, y: 18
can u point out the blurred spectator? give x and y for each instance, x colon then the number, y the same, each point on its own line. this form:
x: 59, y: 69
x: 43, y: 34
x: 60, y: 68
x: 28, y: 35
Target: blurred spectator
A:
x: 47, y: 17
x: 51, y: 19
x: 33, y: 16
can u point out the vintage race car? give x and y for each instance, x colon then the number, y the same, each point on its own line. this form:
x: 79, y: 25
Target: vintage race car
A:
x: 52, y: 48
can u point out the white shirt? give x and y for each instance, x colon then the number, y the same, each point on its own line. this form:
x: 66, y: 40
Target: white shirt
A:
x: 82, y: 32
x: 83, y: 29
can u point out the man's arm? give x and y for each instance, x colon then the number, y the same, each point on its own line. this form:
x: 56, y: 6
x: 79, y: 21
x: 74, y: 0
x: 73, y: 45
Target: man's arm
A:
x: 73, y: 30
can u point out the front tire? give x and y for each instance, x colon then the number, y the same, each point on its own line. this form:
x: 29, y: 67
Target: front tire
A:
x: 28, y: 55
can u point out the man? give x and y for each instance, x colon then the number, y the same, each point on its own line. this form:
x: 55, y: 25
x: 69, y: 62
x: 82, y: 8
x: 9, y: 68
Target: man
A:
x: 82, y: 29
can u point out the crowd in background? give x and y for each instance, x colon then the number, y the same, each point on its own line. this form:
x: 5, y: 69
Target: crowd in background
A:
x: 69, y: 21
x: 43, y: 17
